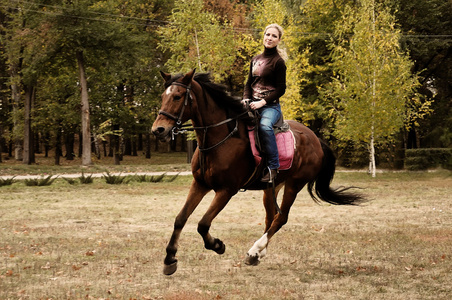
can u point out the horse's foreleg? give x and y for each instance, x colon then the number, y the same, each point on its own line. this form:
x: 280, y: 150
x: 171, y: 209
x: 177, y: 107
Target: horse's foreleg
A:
x: 218, y: 203
x: 195, y: 195
x: 259, y: 249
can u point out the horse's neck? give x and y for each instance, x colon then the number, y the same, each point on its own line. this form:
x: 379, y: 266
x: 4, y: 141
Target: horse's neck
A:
x: 206, y: 111
x: 207, y: 116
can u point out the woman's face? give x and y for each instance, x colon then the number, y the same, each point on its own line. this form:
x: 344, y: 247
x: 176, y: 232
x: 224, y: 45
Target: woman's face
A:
x: 271, y: 38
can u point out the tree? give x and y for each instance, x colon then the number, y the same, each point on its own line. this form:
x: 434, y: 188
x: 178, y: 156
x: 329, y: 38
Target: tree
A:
x: 57, y: 109
x: 26, y: 47
x: 116, y: 40
x: 89, y: 34
x: 374, y: 88
x: 196, y: 38
x: 427, y: 26
x: 125, y: 94
x: 268, y: 12
x: 315, y: 20
x: 13, y: 24
x: 4, y: 95
x: 235, y: 13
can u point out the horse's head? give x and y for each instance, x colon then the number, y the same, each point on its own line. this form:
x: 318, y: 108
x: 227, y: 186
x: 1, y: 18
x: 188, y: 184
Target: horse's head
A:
x: 175, y: 99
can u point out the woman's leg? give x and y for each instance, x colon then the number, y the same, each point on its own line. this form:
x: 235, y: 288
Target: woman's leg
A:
x: 269, y: 116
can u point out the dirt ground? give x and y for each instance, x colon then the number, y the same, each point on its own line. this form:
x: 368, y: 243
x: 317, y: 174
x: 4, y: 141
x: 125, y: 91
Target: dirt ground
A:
x: 103, y: 241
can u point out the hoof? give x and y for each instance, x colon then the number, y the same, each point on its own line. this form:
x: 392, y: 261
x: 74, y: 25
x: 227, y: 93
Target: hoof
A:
x: 170, y: 269
x: 220, y: 247
x: 252, y: 260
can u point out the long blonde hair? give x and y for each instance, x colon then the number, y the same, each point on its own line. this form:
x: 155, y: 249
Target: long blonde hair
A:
x: 282, y: 52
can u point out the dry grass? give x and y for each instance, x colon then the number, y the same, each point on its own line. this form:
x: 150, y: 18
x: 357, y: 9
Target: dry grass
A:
x: 101, y: 241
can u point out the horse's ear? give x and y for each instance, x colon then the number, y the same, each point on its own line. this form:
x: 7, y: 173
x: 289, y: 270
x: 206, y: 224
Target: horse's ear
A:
x: 188, y: 77
x: 165, y: 76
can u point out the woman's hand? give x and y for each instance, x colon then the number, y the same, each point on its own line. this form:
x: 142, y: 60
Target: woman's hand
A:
x: 257, y: 104
x: 246, y: 103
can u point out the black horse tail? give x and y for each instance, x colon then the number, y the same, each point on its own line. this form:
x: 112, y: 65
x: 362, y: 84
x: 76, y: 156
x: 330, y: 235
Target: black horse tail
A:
x: 323, y: 190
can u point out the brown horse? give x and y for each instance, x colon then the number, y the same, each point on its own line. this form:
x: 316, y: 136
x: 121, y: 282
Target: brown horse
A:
x: 223, y: 161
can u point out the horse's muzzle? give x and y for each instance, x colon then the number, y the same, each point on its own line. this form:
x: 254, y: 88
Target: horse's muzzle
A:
x: 162, y: 133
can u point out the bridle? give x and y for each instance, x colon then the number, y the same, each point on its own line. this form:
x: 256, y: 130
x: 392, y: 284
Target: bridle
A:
x: 179, y: 128
x: 176, y: 129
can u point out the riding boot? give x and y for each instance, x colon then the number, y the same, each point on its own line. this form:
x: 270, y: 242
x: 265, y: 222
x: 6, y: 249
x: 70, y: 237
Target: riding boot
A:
x: 270, y: 175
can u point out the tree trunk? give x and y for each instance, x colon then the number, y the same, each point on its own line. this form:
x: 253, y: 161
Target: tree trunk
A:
x: 80, y: 144
x: 127, y: 146
x: 134, y: 146
x: 372, y: 165
x: 10, y: 148
x: 96, y: 146
x: 58, y: 150
x: 191, y: 147
x: 86, y: 133
x: 104, y: 145
x: 117, y: 146
x: 29, y: 154
x: 148, y: 144
x: 16, y: 97
x: 1, y: 144
x: 18, y: 143
x: 37, y: 143
x: 117, y: 156
x: 173, y: 144
x: 183, y: 144
x: 111, y: 145
x: 69, y: 145
x: 140, y: 142
x: 47, y: 145
x: 372, y: 168
x: 156, y: 147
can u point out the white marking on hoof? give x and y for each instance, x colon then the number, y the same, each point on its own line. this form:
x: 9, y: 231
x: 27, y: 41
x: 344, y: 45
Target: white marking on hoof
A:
x: 259, y: 248
x: 263, y: 252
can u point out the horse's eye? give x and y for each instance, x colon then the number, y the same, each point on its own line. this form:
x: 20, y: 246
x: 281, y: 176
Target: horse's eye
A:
x: 177, y: 98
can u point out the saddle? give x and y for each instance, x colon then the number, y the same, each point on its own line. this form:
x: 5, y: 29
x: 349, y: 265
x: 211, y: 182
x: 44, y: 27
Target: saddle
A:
x: 285, y: 141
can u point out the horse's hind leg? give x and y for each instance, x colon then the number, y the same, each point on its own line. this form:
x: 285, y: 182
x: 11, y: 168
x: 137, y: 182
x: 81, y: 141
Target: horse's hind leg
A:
x: 259, y: 248
x: 270, y: 206
x: 195, y: 195
x: 218, y: 203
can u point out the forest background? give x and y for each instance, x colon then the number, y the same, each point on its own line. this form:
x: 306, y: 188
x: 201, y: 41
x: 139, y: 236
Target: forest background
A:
x: 79, y: 78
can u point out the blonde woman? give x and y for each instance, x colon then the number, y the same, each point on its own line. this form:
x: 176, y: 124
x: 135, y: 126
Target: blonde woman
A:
x: 265, y: 85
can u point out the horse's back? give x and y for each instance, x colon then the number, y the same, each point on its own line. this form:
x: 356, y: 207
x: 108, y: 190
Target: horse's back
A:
x: 308, y: 149
x: 306, y: 136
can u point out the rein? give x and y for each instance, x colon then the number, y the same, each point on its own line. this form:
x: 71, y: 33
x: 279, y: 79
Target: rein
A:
x: 179, y: 128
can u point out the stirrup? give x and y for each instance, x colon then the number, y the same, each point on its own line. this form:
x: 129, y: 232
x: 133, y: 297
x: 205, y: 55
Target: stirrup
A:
x: 270, y: 175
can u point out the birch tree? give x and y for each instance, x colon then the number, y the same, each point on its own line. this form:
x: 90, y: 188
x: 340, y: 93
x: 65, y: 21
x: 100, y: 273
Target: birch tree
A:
x: 373, y: 87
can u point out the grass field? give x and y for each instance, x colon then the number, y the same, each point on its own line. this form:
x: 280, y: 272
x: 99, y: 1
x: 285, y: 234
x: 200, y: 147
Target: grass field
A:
x: 174, y: 161
x: 101, y: 241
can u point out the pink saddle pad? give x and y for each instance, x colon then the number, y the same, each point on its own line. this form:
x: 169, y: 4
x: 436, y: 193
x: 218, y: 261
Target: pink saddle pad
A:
x: 286, y: 148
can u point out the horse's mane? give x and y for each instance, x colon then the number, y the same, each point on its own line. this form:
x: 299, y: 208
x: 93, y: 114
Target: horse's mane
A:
x: 218, y: 92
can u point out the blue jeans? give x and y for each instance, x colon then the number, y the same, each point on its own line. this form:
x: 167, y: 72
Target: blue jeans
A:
x: 270, y: 114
